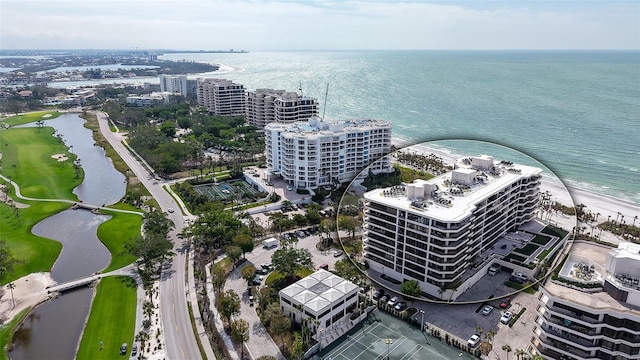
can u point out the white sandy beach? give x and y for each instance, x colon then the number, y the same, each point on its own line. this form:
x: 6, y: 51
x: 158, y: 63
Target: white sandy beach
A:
x: 596, y: 203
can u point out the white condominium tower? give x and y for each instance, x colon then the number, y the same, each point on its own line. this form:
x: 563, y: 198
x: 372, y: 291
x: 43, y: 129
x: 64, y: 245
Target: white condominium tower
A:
x: 433, y: 230
x: 174, y: 84
x: 322, y: 152
x: 591, y: 309
x: 265, y: 106
x: 222, y: 97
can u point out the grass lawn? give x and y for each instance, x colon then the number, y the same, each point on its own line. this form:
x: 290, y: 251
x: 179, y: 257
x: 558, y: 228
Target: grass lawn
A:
x: 112, y: 319
x: 6, y: 332
x: 121, y: 229
x: 541, y: 240
x: 32, y: 117
x: 528, y: 249
x: 34, y: 253
x: 26, y: 158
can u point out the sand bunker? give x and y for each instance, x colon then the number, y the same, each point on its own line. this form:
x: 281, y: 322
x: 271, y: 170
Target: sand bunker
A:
x: 46, y: 115
x: 29, y: 291
x: 60, y: 157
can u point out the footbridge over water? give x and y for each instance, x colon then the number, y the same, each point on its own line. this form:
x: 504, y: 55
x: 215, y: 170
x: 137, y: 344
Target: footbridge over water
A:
x: 128, y: 270
x: 69, y: 285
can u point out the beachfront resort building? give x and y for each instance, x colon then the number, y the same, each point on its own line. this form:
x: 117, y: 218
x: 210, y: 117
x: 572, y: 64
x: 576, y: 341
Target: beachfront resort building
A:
x: 592, y: 309
x: 321, y: 152
x: 265, y: 106
x: 176, y: 84
x: 222, y: 97
x: 321, y: 302
x: 148, y: 100
x: 436, y: 231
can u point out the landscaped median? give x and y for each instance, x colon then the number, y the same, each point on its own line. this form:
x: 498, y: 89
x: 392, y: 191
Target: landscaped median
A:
x: 111, y: 321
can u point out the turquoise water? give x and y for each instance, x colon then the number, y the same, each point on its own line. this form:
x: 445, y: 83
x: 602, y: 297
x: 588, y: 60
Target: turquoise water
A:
x: 575, y: 111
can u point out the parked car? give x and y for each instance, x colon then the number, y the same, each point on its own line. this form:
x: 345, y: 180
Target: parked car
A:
x: 289, y: 188
x: 262, y: 271
x: 505, y: 303
x: 123, y: 349
x: 257, y: 280
x: 338, y: 253
x: 384, y: 298
x: 487, y: 310
x: 393, y: 301
x: 401, y: 306
x: 473, y: 340
x: 378, y: 294
x: 134, y: 350
x: 506, y: 317
x: 518, y: 278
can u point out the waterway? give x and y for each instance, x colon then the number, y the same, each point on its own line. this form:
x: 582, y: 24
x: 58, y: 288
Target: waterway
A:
x: 53, y: 330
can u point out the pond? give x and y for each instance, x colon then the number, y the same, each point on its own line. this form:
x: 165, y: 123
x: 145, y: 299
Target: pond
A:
x: 53, y: 330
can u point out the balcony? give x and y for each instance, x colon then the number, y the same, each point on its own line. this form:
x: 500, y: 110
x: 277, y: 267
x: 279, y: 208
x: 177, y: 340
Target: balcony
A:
x: 573, y: 316
x: 562, y: 335
x: 560, y: 347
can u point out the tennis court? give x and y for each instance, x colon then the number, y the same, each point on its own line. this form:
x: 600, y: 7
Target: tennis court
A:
x: 226, y: 190
x: 384, y: 335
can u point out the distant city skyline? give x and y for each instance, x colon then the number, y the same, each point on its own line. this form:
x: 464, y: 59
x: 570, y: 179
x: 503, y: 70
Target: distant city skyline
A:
x: 319, y: 25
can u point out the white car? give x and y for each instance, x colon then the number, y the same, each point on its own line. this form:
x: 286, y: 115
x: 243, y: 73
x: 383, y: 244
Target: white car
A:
x: 170, y: 210
x: 393, y: 301
x: 289, y: 188
x: 473, y: 340
x: 506, y: 317
x: 487, y: 310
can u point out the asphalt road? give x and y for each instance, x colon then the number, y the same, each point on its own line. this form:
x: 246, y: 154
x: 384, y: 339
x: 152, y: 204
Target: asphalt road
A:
x: 180, y: 342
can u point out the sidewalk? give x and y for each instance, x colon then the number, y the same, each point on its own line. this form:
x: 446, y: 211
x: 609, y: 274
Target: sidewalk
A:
x: 193, y: 299
x: 218, y: 322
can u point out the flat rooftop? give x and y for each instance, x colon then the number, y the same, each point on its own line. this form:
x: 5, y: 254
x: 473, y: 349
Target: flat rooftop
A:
x: 453, y: 202
x: 596, y: 254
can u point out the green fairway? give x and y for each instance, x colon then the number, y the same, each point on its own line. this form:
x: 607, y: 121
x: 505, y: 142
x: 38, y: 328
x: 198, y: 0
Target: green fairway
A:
x: 27, y: 160
x: 112, y: 319
x: 6, y: 332
x: 32, y: 117
x: 34, y: 253
x: 121, y: 229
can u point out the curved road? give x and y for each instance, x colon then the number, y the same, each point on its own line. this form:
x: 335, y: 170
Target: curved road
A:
x: 179, y: 338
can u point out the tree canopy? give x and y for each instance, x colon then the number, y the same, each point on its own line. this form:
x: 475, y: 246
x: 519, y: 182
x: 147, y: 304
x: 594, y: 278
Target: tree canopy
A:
x: 410, y: 287
x: 7, y: 261
x: 287, y: 260
x: 153, y: 247
x: 228, y: 305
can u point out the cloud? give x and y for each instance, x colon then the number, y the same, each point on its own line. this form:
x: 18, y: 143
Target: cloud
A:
x: 256, y: 25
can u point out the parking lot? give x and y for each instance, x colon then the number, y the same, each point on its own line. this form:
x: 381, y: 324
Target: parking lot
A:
x: 259, y: 342
x: 463, y: 320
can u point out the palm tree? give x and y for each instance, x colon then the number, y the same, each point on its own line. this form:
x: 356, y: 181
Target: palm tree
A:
x: 507, y: 349
x: 490, y: 335
x: 520, y: 353
x: 12, y: 286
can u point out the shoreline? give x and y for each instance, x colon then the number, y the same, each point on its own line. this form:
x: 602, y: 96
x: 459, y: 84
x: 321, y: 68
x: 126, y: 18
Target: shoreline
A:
x: 605, y: 205
x: 29, y: 291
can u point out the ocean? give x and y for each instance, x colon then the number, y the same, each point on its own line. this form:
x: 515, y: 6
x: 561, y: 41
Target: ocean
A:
x: 577, y: 112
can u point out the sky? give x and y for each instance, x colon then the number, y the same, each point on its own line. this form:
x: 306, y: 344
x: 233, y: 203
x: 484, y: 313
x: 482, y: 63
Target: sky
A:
x: 318, y: 24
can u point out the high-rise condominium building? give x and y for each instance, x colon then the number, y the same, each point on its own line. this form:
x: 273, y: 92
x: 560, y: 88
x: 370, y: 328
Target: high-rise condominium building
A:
x: 322, y: 152
x: 222, y: 97
x: 174, y: 84
x: 265, y: 106
x: 591, y: 310
x: 433, y: 230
